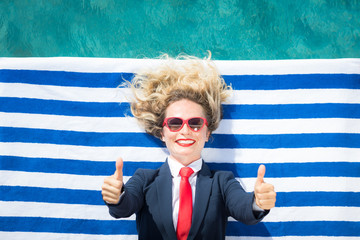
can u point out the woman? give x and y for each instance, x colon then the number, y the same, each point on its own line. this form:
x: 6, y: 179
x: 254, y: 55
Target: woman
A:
x: 180, y: 103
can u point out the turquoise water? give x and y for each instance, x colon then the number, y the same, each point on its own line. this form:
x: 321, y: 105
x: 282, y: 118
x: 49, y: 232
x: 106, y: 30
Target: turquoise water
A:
x: 243, y: 29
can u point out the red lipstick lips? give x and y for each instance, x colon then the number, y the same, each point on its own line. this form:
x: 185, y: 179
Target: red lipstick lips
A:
x: 185, y: 142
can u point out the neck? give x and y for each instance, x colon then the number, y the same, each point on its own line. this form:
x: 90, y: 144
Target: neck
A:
x: 185, y: 161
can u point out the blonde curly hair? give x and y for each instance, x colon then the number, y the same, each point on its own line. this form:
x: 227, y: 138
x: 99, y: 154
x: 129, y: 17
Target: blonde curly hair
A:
x: 185, y: 77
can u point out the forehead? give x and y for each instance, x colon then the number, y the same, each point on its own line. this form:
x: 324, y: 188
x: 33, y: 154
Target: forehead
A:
x: 185, y: 109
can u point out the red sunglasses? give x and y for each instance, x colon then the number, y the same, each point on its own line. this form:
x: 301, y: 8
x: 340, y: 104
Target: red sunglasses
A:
x: 175, y: 124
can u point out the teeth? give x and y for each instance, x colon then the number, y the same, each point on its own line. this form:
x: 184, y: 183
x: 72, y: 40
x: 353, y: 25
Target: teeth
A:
x: 186, y: 141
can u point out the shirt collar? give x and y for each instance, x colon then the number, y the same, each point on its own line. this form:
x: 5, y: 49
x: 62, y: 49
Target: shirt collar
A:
x: 175, y: 166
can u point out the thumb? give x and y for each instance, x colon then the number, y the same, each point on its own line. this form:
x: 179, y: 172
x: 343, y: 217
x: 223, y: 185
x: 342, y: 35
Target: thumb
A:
x: 260, y: 174
x: 119, y: 172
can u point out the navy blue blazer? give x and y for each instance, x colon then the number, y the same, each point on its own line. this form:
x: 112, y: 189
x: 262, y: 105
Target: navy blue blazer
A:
x: 148, y: 193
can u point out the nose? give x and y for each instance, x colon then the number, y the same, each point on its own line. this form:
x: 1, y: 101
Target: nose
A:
x: 185, y: 129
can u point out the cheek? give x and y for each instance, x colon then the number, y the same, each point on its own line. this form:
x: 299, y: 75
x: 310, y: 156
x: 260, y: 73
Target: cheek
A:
x: 203, y: 137
x: 166, y: 135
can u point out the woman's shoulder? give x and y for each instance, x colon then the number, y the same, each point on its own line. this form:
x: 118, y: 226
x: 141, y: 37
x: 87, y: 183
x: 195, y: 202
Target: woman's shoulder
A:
x: 222, y: 174
x: 146, y: 172
x: 208, y: 168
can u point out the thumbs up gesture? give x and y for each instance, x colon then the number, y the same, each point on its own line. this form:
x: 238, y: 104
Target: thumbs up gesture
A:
x: 111, y: 189
x: 265, y: 196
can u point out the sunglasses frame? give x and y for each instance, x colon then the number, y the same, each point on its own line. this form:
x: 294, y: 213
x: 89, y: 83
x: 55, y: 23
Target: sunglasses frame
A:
x: 184, y: 121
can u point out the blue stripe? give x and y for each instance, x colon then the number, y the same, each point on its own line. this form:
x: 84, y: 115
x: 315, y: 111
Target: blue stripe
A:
x: 96, y: 109
x: 29, y: 135
x: 278, y: 229
x: 109, y: 109
x: 107, y: 227
x: 50, y: 195
x: 316, y: 199
x: 61, y: 78
x: 65, y: 166
x: 243, y: 170
x: 308, y: 140
x: 348, y: 140
x: 239, y: 82
x: 291, y: 111
x: 62, y: 225
x: 285, y: 170
x: 293, y: 81
x: 67, y: 108
x: 92, y: 197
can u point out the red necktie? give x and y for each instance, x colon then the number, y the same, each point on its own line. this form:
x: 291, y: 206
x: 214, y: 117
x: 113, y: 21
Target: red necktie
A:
x: 185, y: 207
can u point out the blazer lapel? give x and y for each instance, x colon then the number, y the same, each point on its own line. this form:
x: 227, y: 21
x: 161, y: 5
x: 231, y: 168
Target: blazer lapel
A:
x: 202, y: 195
x: 164, y: 191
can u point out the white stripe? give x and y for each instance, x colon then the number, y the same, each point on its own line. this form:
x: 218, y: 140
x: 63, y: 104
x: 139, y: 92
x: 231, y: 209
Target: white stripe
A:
x: 70, y: 181
x: 83, y: 94
x: 292, y: 214
x: 56, y: 210
x: 51, y: 180
x: 78, y: 94
x: 259, y: 67
x: 129, y: 124
x: 298, y: 96
x: 70, y: 123
x: 280, y: 67
x: 78, y: 64
x: 91, y: 212
x: 307, y: 184
x: 62, y: 236
x: 313, y: 214
x: 282, y: 155
x: 289, y: 126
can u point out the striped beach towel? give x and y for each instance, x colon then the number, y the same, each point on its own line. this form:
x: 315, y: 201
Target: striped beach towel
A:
x: 64, y: 121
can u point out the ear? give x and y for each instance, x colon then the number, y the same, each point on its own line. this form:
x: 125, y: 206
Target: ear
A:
x: 162, y: 136
x: 208, y: 136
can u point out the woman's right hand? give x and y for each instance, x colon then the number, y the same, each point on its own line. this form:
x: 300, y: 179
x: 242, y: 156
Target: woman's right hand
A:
x: 111, y: 189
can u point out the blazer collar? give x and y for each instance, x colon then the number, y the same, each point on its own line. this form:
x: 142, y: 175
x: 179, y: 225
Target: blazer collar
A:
x: 203, y: 191
x: 164, y: 190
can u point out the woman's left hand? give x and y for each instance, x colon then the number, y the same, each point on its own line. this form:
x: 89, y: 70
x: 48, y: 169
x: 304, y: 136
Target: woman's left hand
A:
x: 265, y: 195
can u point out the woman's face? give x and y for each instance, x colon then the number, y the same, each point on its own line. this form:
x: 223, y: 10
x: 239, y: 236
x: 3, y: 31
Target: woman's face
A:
x: 185, y: 145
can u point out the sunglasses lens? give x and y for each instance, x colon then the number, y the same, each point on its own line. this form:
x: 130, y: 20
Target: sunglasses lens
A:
x: 174, y: 124
x: 196, y: 123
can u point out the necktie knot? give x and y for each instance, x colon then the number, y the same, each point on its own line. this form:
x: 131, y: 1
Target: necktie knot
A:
x: 186, y: 172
